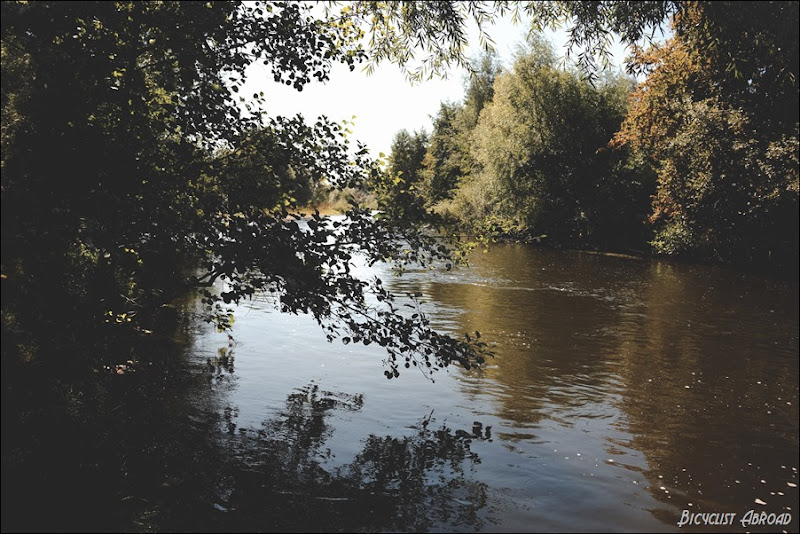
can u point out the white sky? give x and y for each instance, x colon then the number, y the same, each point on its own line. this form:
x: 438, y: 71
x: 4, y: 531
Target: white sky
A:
x: 385, y: 102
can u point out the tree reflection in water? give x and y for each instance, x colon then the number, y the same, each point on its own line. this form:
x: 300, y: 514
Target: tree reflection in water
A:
x: 274, y: 478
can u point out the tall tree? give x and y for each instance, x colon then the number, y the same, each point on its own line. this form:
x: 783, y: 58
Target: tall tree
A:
x: 442, y: 160
x: 450, y: 156
x: 479, y: 87
x: 399, y: 188
x: 408, y: 151
x: 718, y: 116
x: 542, y: 143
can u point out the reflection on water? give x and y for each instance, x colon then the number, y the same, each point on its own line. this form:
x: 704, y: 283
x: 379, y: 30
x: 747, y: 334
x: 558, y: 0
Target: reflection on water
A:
x: 623, y: 391
x: 689, y: 374
x: 275, y: 477
x: 277, y: 480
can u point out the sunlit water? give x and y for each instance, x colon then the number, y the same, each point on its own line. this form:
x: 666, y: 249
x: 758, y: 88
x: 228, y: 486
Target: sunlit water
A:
x: 623, y: 392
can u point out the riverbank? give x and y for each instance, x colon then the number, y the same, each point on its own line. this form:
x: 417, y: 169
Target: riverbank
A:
x: 784, y: 273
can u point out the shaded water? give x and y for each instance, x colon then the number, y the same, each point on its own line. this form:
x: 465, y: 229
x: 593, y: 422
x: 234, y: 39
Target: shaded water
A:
x: 623, y: 391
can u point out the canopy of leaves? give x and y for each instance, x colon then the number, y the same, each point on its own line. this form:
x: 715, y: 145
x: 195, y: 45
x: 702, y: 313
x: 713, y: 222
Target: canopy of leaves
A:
x: 718, y: 116
x: 133, y: 171
x: 541, y: 142
x: 398, y: 189
x: 449, y: 157
x: 443, y: 157
x: 400, y: 30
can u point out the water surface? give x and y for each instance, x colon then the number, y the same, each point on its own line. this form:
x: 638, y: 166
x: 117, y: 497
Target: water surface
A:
x: 623, y: 391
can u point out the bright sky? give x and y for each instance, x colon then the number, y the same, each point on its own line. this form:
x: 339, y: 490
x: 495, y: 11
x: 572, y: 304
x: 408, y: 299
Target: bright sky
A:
x: 385, y: 102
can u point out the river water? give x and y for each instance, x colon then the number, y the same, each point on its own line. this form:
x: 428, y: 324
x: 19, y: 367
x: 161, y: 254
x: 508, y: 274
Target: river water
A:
x: 623, y: 392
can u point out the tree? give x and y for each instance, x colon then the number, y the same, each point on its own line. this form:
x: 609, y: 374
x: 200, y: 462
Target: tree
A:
x: 542, y: 141
x: 479, y: 88
x: 449, y: 160
x: 398, y: 188
x: 442, y: 167
x: 718, y: 116
x: 130, y: 161
x: 408, y: 151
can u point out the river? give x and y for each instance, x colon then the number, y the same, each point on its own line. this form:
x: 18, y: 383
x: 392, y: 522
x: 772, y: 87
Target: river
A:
x: 623, y: 391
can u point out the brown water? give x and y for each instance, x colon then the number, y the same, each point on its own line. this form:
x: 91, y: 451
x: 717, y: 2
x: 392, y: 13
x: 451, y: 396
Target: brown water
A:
x: 623, y: 392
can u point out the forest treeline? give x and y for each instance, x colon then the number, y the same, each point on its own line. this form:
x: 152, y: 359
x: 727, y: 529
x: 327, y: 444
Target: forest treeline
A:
x: 699, y: 160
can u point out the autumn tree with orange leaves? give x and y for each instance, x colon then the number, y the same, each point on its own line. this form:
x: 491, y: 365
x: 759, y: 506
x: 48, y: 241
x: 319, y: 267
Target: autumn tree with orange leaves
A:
x: 718, y: 117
